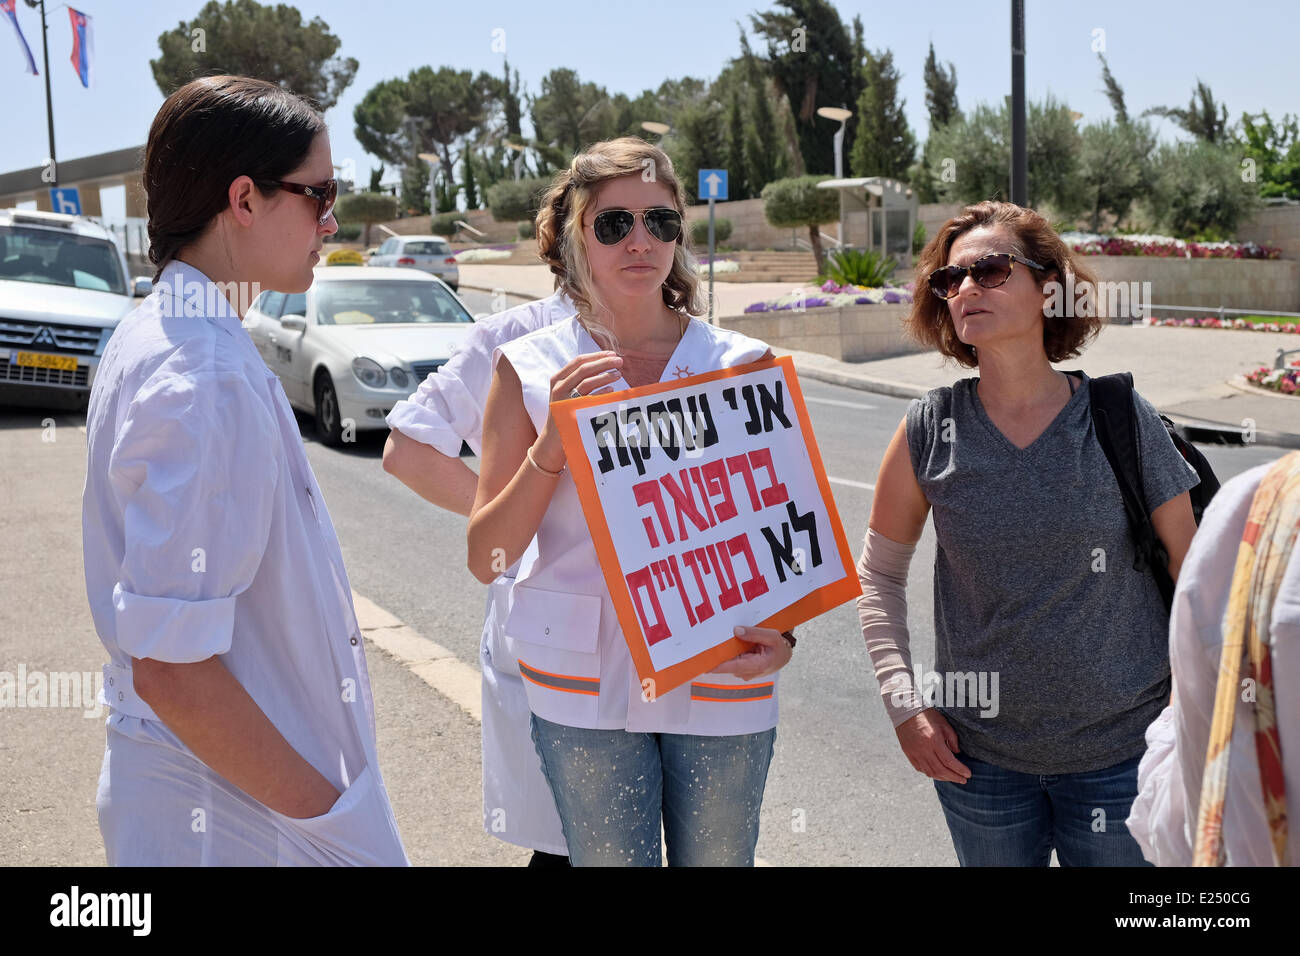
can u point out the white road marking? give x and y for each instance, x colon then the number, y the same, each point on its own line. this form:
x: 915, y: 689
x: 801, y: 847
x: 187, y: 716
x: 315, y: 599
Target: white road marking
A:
x: 836, y: 401
x: 851, y: 483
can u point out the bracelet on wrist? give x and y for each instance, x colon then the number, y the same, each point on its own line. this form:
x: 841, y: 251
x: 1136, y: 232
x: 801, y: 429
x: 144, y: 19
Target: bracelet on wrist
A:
x: 789, y: 636
x: 545, y: 471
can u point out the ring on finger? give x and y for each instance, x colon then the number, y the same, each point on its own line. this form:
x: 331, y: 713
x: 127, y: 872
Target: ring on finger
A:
x: 575, y: 394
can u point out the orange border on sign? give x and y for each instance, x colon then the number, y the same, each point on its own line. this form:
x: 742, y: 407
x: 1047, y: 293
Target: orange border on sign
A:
x: 809, y: 606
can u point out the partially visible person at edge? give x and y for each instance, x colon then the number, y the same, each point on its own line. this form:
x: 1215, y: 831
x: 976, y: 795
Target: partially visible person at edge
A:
x: 1255, y: 813
x: 1051, y: 650
x: 423, y: 451
x: 242, y: 728
x: 618, y: 763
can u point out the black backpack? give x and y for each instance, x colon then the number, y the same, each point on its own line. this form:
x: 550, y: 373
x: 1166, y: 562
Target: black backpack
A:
x: 1115, y: 422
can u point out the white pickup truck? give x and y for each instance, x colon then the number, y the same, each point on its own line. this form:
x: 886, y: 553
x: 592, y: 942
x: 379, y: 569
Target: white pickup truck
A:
x: 63, y: 289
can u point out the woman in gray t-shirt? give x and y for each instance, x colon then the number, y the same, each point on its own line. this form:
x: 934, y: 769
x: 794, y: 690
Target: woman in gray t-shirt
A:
x: 1051, y: 649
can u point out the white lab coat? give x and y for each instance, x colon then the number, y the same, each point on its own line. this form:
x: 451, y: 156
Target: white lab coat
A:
x: 445, y: 410
x: 562, y: 628
x: 204, y: 534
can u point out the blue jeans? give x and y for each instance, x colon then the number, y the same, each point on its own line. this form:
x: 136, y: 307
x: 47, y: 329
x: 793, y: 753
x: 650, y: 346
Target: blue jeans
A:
x: 1004, y: 818
x: 612, y: 788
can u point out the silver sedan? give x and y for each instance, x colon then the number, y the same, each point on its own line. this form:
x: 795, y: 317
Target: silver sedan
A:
x: 357, y: 342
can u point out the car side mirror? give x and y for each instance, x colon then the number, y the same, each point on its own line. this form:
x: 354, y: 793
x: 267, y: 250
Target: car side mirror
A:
x: 294, y: 323
x: 141, y: 286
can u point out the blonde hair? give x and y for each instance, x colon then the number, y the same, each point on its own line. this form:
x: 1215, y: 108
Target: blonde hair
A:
x: 562, y: 246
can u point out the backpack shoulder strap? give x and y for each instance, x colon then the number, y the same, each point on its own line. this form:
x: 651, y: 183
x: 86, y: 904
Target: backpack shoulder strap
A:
x: 1115, y: 422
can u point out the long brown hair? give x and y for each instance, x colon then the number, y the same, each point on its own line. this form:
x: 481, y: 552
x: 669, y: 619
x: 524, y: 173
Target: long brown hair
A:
x: 560, y: 241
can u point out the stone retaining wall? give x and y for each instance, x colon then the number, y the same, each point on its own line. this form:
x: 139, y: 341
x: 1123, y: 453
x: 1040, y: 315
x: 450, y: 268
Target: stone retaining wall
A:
x: 854, y: 333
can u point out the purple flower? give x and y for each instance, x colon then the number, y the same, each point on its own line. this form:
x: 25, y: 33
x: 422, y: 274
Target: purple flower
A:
x: 862, y: 300
x: 756, y: 307
x: 830, y: 286
x: 893, y: 297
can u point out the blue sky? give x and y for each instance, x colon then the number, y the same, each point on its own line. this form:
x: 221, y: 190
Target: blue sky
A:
x: 1244, y: 50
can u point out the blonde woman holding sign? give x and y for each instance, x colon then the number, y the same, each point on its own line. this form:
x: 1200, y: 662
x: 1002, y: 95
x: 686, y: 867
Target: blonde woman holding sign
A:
x: 615, y: 758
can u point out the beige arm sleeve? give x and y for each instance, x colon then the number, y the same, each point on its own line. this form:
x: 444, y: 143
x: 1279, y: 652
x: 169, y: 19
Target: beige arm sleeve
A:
x: 882, y: 609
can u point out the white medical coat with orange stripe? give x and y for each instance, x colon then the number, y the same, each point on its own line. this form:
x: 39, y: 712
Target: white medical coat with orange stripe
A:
x: 562, y: 627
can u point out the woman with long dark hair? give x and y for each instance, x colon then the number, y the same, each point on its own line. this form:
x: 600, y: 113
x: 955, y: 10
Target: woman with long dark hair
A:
x: 242, y: 726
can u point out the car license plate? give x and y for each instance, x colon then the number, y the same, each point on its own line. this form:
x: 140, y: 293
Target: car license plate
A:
x: 66, y: 363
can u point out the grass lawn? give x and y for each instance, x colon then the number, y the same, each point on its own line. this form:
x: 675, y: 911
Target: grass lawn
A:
x: 1267, y: 319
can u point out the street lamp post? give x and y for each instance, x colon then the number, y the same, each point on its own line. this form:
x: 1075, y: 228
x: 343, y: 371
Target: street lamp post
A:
x: 519, y: 158
x: 841, y: 115
x: 433, y: 159
x: 659, y: 129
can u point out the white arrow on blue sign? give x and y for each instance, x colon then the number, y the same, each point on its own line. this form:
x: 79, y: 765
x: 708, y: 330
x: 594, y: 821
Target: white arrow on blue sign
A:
x: 713, y: 184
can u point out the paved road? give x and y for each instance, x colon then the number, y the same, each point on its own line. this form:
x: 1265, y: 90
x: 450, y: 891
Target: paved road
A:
x: 839, y: 790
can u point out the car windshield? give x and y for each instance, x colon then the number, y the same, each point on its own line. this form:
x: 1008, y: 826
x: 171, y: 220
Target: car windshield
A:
x: 373, y: 301
x: 59, y: 258
x: 429, y: 248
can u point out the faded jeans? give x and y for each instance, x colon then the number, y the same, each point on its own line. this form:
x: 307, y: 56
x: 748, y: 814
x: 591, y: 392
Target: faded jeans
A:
x: 613, y: 788
x: 1005, y: 818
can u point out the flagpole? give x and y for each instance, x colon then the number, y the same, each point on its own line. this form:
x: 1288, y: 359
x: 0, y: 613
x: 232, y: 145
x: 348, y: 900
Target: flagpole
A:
x: 49, y: 101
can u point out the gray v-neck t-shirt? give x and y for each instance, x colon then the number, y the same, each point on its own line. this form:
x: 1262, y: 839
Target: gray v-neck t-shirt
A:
x: 1051, y: 650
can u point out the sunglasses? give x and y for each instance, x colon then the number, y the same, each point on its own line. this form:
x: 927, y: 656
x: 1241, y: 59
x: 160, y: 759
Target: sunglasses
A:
x: 989, y: 271
x: 325, y: 194
x: 613, y: 225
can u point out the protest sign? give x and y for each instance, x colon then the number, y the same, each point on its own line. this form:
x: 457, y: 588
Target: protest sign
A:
x: 709, y: 508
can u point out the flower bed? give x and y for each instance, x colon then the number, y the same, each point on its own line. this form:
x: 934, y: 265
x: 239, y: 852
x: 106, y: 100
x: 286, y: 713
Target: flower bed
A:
x: 836, y: 296
x: 1284, y: 380
x: 719, y: 266
x: 1213, y: 322
x: 1094, y: 244
x: 484, y: 255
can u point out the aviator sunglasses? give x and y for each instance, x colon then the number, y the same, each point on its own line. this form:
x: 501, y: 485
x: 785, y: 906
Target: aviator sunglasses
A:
x: 325, y: 194
x: 613, y: 225
x: 989, y: 271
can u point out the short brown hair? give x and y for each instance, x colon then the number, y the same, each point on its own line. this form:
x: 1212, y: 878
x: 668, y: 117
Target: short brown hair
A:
x: 1032, y: 236
x: 560, y: 240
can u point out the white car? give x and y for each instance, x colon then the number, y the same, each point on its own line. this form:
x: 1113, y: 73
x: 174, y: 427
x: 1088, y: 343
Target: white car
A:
x: 429, y: 254
x: 357, y: 342
x: 63, y: 289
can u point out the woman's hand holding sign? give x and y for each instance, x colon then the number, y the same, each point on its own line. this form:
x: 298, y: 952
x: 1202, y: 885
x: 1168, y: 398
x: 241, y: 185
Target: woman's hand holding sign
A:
x: 769, y: 653
x: 583, y: 375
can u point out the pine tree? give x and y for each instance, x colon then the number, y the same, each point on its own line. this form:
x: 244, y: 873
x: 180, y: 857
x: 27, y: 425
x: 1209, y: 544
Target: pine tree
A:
x: 940, y: 91
x: 471, y: 190
x: 885, y: 145
x: 737, y: 174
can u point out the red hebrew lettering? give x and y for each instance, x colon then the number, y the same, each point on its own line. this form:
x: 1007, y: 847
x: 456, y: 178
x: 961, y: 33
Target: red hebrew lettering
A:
x: 657, y: 568
x: 658, y: 631
x: 775, y: 493
x: 684, y: 503
x: 647, y: 492
x: 704, y: 495
x: 729, y: 595
x: 757, y: 584
x: 693, y: 560
x: 676, y: 574
x: 740, y: 464
x: 718, y: 484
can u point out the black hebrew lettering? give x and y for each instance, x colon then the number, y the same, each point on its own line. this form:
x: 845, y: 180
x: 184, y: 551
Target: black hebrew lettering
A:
x: 783, y: 550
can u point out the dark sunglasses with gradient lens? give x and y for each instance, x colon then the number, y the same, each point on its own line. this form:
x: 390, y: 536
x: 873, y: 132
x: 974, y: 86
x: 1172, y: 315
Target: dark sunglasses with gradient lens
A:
x: 612, y: 226
x: 324, y: 195
x: 989, y: 271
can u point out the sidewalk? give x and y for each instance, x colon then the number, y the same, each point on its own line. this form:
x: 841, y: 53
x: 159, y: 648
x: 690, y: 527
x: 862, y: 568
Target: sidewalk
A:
x: 1195, y: 376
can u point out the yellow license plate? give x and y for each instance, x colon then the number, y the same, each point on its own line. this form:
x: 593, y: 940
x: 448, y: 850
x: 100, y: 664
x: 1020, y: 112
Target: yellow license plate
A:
x: 66, y: 363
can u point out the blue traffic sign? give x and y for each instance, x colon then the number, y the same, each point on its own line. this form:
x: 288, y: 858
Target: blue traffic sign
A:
x: 713, y: 184
x: 66, y: 200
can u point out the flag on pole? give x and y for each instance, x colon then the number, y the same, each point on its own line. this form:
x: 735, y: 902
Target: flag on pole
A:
x: 7, y: 7
x: 83, y: 44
